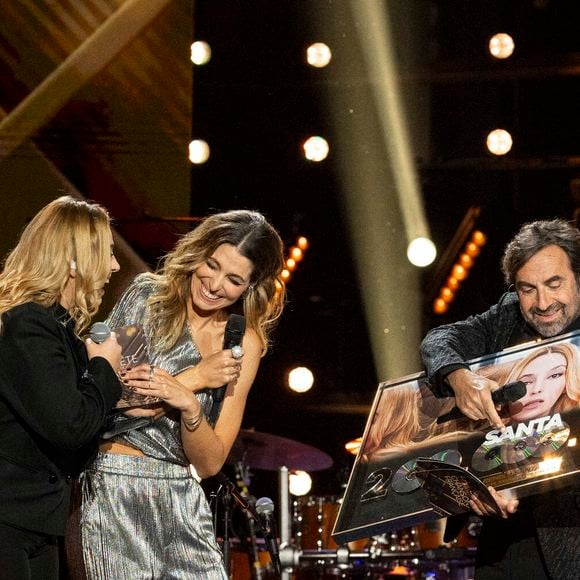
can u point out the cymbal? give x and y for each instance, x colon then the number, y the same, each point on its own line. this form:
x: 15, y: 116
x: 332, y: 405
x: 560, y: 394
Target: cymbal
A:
x: 270, y: 452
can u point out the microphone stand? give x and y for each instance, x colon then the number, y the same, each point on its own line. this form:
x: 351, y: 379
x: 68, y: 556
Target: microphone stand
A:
x: 226, y: 502
x: 256, y: 567
x: 241, y: 501
x: 242, y: 481
x: 247, y: 508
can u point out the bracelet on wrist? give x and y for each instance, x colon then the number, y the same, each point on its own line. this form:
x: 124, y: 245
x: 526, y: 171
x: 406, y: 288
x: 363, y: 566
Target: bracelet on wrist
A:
x: 192, y: 424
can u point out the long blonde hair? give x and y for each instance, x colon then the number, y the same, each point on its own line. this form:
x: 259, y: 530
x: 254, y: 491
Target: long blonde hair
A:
x: 38, y: 268
x: 396, y: 420
x: 255, y: 239
x: 399, y: 423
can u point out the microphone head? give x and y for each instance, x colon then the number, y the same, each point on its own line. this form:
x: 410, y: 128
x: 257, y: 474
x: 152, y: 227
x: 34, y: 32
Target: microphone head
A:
x: 236, y: 323
x: 509, y: 393
x: 517, y: 391
x: 264, y: 506
x: 234, y: 332
x: 99, y: 332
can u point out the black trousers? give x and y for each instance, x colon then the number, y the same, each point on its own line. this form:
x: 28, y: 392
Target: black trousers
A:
x: 508, y: 550
x: 27, y: 555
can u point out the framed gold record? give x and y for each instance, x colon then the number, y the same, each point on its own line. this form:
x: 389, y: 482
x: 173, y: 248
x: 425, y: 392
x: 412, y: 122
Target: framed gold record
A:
x: 408, y: 424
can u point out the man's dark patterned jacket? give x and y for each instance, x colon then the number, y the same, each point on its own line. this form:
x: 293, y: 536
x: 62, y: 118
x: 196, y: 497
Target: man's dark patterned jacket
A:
x: 556, y: 514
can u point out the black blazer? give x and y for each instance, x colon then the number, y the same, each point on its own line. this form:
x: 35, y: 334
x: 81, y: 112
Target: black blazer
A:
x: 53, y: 402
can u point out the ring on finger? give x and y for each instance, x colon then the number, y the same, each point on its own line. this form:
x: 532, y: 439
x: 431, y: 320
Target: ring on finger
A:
x: 237, y: 352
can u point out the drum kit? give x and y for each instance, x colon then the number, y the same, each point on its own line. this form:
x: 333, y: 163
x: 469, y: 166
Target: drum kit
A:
x: 304, y: 548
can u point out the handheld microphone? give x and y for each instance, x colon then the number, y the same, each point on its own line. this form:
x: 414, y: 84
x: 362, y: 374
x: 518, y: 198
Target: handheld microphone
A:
x: 99, y: 332
x: 509, y: 393
x: 265, y: 511
x: 506, y: 394
x: 233, y: 335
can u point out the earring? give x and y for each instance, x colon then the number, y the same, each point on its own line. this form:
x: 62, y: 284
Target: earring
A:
x: 73, y: 265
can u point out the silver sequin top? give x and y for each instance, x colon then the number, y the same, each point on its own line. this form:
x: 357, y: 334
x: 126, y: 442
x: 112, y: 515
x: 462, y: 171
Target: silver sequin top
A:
x: 160, y: 439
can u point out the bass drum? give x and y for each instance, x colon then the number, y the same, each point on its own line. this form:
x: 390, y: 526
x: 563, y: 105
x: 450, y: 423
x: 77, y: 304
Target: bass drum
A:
x: 242, y: 563
x: 313, y: 521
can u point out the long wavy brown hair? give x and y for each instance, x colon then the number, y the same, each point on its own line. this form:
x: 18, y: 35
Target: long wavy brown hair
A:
x: 251, y: 234
x: 38, y: 268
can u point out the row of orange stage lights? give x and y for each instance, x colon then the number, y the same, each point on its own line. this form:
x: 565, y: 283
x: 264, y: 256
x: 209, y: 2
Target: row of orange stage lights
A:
x: 294, y: 257
x: 459, y: 272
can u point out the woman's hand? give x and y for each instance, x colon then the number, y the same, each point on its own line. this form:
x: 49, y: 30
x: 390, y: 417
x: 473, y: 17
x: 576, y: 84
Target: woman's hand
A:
x: 109, y: 349
x: 214, y: 371
x: 153, y: 412
x: 155, y: 382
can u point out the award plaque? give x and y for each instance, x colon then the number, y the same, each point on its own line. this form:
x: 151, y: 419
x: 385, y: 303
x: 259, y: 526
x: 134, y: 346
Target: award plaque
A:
x: 134, y: 352
x: 417, y: 464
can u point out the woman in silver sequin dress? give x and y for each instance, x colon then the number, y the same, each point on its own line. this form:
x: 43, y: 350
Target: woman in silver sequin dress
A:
x: 144, y: 513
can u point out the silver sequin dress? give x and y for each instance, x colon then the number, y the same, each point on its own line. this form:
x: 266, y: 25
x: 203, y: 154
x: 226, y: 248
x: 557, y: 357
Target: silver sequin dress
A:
x: 146, y: 518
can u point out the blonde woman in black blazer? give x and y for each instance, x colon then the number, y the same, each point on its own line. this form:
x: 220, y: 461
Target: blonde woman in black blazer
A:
x: 55, y: 390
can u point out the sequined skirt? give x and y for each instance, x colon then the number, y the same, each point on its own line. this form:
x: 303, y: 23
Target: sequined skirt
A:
x: 145, y: 519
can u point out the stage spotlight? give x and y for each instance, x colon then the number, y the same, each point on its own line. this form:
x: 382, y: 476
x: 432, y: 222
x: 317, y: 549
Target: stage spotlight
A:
x: 466, y: 260
x: 296, y: 253
x: 452, y: 283
x: 459, y: 271
x: 447, y: 294
x: 200, y: 52
x: 290, y: 264
x: 299, y: 483
x: 198, y: 151
x: 315, y: 148
x: 421, y: 252
x: 440, y: 306
x: 353, y: 446
x: 318, y: 55
x: 472, y: 249
x: 300, y: 379
x: 501, y: 45
x: 302, y: 243
x: 478, y: 238
x: 499, y: 142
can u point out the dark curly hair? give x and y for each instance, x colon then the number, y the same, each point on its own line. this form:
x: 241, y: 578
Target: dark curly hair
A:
x: 535, y: 236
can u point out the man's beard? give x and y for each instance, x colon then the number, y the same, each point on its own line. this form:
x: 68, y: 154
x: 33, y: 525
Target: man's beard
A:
x: 555, y: 327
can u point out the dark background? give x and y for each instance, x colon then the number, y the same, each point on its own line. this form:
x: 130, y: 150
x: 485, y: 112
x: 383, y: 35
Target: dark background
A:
x: 258, y: 100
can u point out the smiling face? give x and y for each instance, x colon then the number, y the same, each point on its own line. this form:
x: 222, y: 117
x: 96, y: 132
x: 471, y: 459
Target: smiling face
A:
x: 220, y: 281
x: 548, y: 291
x: 545, y: 379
